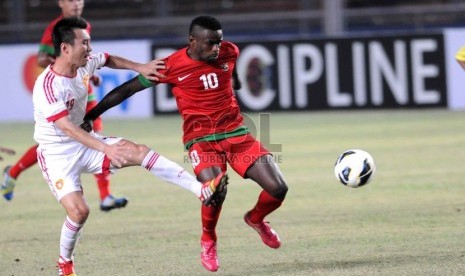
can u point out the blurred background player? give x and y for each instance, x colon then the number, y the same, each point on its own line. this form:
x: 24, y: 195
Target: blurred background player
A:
x: 45, y: 57
x: 7, y: 151
x: 214, y: 132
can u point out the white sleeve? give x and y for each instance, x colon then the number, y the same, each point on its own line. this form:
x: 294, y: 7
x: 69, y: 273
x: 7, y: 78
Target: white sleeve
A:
x: 49, y: 99
x: 96, y: 61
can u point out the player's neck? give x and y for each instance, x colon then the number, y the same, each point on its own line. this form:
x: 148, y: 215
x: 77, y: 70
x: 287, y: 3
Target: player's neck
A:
x: 64, y: 68
x: 189, y: 54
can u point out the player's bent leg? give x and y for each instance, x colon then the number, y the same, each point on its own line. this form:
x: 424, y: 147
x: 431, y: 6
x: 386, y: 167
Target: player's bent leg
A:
x: 76, y: 207
x: 78, y: 211
x: 210, y: 216
x: 267, y: 174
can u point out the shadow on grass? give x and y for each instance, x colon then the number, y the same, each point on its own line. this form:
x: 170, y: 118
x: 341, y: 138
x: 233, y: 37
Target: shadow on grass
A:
x: 369, y: 265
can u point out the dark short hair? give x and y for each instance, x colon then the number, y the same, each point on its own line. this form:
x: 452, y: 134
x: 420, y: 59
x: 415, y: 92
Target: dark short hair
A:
x: 205, y: 22
x: 63, y: 31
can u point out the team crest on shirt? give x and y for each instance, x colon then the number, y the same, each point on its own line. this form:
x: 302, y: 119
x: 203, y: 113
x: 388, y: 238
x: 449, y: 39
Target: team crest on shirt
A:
x: 225, y: 67
x: 59, y: 184
x: 85, y: 80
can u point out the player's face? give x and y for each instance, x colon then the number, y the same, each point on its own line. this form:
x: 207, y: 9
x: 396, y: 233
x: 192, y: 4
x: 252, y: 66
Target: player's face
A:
x: 80, y: 51
x: 205, y: 45
x: 71, y: 7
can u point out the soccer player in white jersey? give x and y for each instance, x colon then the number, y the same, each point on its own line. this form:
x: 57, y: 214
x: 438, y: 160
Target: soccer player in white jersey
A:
x: 65, y: 150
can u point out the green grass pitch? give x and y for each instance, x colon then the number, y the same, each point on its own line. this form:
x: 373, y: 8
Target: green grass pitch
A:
x: 408, y: 221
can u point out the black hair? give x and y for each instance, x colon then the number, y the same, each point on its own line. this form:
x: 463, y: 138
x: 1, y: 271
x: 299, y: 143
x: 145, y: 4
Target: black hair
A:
x: 205, y: 22
x: 63, y: 31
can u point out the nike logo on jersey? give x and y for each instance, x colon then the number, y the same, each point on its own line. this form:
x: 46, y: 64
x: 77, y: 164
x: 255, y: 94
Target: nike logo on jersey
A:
x: 183, y: 77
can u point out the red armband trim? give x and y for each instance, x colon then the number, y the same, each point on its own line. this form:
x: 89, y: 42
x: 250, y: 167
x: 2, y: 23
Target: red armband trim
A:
x: 58, y: 116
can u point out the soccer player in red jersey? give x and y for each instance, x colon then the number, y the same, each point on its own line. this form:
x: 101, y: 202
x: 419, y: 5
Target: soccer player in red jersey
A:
x: 45, y: 57
x: 214, y: 132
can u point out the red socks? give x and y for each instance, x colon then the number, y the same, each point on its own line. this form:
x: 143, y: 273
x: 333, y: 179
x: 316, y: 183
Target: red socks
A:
x: 265, y: 205
x: 103, y: 183
x: 28, y: 159
x: 210, y: 216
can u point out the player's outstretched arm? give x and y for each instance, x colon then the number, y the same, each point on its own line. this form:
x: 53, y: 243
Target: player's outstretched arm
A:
x: 113, y: 98
x: 148, y: 70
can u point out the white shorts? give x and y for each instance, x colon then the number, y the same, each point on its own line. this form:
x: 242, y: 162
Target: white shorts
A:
x: 62, y: 164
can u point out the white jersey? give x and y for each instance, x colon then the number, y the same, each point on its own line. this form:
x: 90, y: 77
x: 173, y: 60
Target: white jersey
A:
x: 55, y: 96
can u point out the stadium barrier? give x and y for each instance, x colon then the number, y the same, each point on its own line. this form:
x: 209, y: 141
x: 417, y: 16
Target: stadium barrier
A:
x: 388, y: 71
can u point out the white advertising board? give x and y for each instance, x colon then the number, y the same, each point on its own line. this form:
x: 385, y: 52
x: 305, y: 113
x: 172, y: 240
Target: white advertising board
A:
x: 20, y: 70
x: 454, y: 39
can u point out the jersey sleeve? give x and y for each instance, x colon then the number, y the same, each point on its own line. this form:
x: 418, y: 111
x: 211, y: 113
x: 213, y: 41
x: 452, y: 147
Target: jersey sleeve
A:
x: 232, y: 50
x: 148, y: 83
x: 96, y: 61
x: 50, y: 100
x: 145, y: 82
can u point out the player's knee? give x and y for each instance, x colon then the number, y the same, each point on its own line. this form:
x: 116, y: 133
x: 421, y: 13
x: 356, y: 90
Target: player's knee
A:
x: 79, y: 214
x: 142, y: 150
x: 279, y: 190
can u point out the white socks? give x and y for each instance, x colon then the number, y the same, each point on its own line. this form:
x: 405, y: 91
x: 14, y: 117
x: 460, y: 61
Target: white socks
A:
x: 70, y: 233
x: 167, y: 170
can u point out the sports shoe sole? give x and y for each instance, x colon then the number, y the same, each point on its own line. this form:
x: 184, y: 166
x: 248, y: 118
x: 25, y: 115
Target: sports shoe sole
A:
x: 123, y: 204
x: 274, y: 245
x: 221, y: 186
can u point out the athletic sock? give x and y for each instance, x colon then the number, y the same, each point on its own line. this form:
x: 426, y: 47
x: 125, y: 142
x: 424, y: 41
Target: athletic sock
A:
x: 103, y: 184
x: 210, y: 216
x: 169, y: 171
x: 28, y: 159
x: 265, y: 205
x: 70, y: 233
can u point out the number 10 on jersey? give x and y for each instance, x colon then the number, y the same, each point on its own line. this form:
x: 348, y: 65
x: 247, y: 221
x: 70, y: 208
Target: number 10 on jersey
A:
x: 210, y: 81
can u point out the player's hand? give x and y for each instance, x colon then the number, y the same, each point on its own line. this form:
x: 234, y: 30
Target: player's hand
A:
x: 150, y: 70
x: 96, y: 80
x: 118, y: 153
x: 87, y: 125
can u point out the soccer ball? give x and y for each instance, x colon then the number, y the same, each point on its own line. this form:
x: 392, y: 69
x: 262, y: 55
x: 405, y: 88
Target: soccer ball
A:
x: 354, y: 168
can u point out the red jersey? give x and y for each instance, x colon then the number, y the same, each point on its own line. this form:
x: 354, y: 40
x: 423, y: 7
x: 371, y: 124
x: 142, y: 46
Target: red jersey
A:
x: 204, y: 93
x: 46, y: 42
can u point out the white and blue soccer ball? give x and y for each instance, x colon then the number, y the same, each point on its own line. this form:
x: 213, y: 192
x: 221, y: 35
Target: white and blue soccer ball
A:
x: 354, y: 168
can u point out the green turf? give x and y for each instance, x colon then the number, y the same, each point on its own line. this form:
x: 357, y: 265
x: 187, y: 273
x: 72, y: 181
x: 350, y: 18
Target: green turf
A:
x: 408, y: 221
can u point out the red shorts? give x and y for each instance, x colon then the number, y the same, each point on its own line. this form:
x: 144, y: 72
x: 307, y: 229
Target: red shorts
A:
x: 239, y: 151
